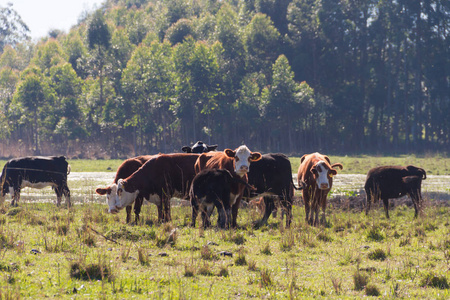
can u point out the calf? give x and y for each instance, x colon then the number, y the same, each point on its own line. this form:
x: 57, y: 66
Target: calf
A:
x: 199, y: 147
x: 237, y: 162
x: 388, y: 182
x: 35, y: 172
x: 272, y: 176
x: 128, y: 167
x: 212, y: 188
x: 317, y: 174
x: 158, y: 180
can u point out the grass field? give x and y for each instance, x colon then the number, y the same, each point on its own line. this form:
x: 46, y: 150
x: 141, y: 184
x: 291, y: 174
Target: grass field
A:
x: 86, y: 253
x: 434, y: 165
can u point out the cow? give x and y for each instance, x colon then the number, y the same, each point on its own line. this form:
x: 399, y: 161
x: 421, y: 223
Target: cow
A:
x: 35, y: 172
x: 237, y: 162
x: 272, y: 177
x: 128, y: 167
x: 158, y: 180
x: 212, y: 188
x: 388, y: 182
x: 199, y: 147
x: 316, y: 171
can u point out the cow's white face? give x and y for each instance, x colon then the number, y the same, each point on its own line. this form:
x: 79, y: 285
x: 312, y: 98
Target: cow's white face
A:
x: 124, y: 198
x: 321, y: 173
x: 242, y: 159
x: 112, y: 199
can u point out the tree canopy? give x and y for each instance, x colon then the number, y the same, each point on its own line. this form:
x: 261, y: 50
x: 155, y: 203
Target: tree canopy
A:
x: 146, y: 76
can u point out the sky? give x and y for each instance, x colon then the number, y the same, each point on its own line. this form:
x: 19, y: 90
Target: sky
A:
x: 44, y: 15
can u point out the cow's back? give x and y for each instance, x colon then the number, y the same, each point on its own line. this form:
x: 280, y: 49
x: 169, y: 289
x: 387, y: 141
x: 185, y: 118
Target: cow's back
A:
x: 131, y: 165
x: 272, y: 171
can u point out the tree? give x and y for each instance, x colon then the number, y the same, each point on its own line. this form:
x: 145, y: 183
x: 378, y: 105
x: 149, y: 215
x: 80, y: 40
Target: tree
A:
x: 12, y: 29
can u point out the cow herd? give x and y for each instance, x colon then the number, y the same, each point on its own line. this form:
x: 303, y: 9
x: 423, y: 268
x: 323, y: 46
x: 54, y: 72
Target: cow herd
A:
x: 216, y: 180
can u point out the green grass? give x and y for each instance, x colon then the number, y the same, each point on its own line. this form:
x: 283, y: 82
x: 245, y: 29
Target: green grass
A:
x: 434, y: 165
x: 118, y: 261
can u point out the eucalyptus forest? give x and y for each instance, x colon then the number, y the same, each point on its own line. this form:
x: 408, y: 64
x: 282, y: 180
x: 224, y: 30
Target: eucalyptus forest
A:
x: 145, y: 76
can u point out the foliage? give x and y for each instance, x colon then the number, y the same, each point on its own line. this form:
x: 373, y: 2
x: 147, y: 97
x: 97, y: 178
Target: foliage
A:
x: 296, y: 76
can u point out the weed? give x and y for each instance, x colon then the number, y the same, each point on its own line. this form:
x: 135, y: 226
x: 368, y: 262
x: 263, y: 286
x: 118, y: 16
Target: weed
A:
x: 205, y: 270
x: 324, y: 237
x: 142, y: 257
x: 223, y: 271
x: 207, y: 254
x: 372, y: 290
x: 266, y: 250
x: 240, y: 260
x: 337, y: 285
x: 375, y: 234
x: 287, y: 241
x: 435, y: 281
x: 377, y: 254
x: 266, y: 277
x: 81, y: 271
x: 189, y: 271
x: 360, y: 280
x: 252, y: 265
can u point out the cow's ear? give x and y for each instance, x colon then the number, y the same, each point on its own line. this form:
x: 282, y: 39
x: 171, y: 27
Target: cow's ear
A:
x: 186, y: 149
x: 303, y: 158
x: 100, y: 191
x: 255, y: 156
x: 212, y: 147
x: 229, y: 153
x: 332, y: 172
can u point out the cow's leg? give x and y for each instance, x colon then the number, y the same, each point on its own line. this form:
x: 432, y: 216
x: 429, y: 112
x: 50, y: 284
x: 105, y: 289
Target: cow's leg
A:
x: 160, y: 212
x: 269, y: 206
x: 194, y: 205
x: 205, y: 217
x: 16, y: 197
x: 234, y: 211
x: 137, y: 208
x: 323, y: 203
x: 386, y: 206
x: 306, y: 198
x: 416, y: 199
x: 369, y: 199
x: 166, y: 209
x: 128, y: 210
x: 58, y: 192
x: 66, y: 193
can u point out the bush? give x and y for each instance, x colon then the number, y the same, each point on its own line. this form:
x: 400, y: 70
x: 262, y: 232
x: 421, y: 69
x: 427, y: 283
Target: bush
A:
x: 372, y: 290
x: 375, y: 234
x: 435, y: 281
x: 89, y: 272
x: 360, y: 280
x: 377, y: 254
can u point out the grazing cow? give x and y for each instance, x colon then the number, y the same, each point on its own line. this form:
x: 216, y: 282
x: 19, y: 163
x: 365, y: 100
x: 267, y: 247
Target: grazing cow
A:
x: 212, y: 188
x: 128, y: 167
x: 35, y: 172
x: 237, y: 162
x: 158, y: 180
x: 272, y: 176
x: 199, y: 147
x: 388, y: 182
x: 317, y: 172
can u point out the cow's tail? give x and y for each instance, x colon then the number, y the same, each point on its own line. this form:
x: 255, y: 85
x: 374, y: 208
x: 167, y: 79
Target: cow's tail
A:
x: 68, y: 169
x: 3, y: 179
x: 301, y: 185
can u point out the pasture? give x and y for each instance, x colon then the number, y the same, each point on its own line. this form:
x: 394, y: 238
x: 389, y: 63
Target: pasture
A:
x: 85, y: 252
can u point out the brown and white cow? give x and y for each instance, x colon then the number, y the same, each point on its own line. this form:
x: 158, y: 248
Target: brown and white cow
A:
x: 158, y: 180
x: 237, y: 162
x: 316, y: 171
x: 128, y: 167
x: 388, y: 182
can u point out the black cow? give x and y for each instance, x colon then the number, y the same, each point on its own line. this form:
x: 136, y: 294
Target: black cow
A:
x: 212, y: 188
x: 389, y: 182
x: 199, y: 147
x: 272, y: 177
x: 35, y: 172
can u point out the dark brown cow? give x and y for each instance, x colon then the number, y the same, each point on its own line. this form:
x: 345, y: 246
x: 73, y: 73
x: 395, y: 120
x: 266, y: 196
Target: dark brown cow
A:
x: 272, y: 177
x: 212, y: 188
x: 128, y: 167
x: 158, y: 180
x: 237, y: 162
x: 317, y: 172
x: 389, y: 182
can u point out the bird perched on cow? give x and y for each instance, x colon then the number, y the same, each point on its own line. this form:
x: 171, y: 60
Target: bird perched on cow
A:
x: 316, y: 171
x: 388, y: 182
